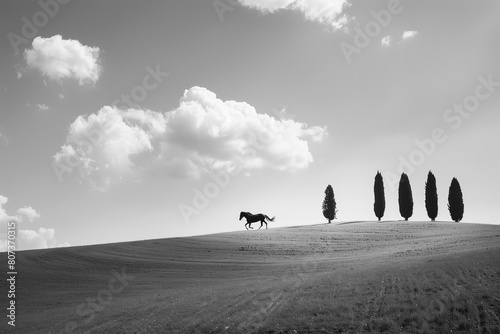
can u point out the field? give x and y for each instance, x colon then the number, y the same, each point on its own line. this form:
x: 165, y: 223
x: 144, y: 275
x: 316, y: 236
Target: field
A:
x: 394, y: 277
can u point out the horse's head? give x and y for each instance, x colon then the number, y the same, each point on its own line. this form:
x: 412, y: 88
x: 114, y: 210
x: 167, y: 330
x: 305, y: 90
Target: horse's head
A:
x: 242, y: 214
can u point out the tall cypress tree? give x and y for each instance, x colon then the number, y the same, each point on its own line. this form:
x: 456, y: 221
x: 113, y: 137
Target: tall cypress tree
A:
x: 329, y: 205
x: 405, y: 197
x: 378, y: 189
x: 455, y: 201
x: 431, y: 197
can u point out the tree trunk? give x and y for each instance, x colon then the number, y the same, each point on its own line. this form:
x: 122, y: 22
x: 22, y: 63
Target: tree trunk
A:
x: 406, y: 219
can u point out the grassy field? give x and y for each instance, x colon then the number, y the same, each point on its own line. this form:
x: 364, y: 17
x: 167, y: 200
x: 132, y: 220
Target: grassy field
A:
x: 394, y: 277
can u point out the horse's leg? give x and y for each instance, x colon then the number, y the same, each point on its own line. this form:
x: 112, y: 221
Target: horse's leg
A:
x: 266, y: 224
x: 260, y: 224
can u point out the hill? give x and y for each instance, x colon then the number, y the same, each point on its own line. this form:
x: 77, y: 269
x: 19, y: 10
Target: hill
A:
x: 398, y: 277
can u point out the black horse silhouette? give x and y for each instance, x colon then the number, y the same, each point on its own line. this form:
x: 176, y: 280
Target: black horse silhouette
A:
x: 255, y: 218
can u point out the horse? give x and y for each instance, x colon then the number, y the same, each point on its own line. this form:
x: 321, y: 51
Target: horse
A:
x: 255, y: 218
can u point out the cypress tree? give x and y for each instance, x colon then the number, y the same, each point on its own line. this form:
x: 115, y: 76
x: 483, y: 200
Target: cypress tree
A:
x: 329, y: 205
x: 405, y: 197
x: 431, y: 197
x: 455, y: 201
x: 378, y: 189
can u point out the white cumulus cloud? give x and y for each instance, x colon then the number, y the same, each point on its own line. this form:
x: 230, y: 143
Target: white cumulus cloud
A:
x: 26, y: 238
x: 38, y: 239
x: 102, y: 146
x: 4, y: 217
x: 202, y: 132
x: 29, y: 213
x: 324, y: 11
x: 58, y: 58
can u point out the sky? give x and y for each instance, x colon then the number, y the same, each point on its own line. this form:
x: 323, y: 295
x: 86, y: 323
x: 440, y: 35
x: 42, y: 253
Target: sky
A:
x: 131, y: 120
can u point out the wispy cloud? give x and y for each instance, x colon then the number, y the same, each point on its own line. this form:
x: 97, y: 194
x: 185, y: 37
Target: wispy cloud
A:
x: 42, y: 107
x: 58, y: 58
x: 388, y: 40
x: 202, y: 132
x: 19, y: 71
x: 4, y: 138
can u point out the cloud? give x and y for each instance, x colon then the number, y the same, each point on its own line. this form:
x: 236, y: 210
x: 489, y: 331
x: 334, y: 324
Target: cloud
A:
x: 19, y: 71
x: 202, y: 132
x: 108, y: 158
x: 409, y: 34
x: 324, y: 11
x: 29, y: 212
x: 25, y: 238
x: 42, y: 107
x: 4, y: 217
x: 58, y: 58
x: 41, y: 239
x: 282, y: 114
x: 34, y: 239
x: 4, y: 138
x: 386, y: 41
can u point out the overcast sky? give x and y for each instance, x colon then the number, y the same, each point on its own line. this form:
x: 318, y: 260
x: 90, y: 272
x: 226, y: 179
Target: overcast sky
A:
x: 127, y: 120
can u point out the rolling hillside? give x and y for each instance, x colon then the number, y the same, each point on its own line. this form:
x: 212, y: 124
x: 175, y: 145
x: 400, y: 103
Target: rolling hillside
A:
x: 395, y: 277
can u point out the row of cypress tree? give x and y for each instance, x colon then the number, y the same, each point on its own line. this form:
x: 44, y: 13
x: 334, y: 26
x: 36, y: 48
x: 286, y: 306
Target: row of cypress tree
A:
x: 405, y: 199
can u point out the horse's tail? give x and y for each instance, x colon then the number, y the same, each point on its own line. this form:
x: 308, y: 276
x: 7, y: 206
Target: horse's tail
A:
x: 270, y: 219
